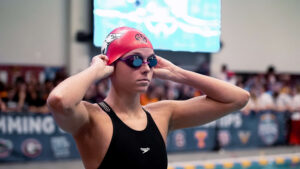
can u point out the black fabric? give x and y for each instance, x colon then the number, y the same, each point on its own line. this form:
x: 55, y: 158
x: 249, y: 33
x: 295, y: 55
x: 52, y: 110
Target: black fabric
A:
x: 134, y: 149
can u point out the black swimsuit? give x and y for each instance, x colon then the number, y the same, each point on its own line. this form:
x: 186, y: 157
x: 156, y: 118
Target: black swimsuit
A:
x: 134, y: 149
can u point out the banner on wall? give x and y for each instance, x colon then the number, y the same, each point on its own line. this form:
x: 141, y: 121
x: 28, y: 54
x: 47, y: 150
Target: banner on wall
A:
x: 234, y: 131
x: 33, y: 137
x: 201, y: 138
x: 265, y: 128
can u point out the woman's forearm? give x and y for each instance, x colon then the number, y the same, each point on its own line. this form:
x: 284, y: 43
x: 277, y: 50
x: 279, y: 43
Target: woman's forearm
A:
x: 71, y: 91
x: 215, y: 89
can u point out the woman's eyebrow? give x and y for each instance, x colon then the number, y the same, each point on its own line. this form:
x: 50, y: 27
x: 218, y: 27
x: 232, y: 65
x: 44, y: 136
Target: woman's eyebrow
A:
x: 136, y: 53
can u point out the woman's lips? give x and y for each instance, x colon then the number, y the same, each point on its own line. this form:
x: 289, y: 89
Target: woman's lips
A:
x: 144, y: 80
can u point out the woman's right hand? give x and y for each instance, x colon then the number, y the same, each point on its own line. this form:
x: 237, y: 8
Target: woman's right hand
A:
x: 104, y: 70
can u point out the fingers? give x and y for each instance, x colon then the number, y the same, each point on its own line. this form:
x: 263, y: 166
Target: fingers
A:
x: 103, y: 57
x: 158, y: 57
x: 155, y: 73
x: 161, y: 73
x: 99, y: 58
x: 101, y: 62
x: 108, y: 71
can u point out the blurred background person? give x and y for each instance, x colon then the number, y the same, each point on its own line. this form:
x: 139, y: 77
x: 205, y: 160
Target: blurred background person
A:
x: 16, y: 95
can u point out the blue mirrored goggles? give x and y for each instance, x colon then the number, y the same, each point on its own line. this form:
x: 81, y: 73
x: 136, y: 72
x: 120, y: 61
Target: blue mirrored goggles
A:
x: 136, y: 61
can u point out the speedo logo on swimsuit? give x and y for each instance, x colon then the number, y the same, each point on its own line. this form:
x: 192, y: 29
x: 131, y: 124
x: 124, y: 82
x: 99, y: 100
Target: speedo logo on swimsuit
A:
x: 145, y: 150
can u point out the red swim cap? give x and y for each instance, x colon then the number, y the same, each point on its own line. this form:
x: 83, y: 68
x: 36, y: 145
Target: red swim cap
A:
x: 123, y: 40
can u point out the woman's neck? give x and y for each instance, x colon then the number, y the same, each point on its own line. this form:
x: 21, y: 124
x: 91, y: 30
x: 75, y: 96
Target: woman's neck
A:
x: 124, y: 102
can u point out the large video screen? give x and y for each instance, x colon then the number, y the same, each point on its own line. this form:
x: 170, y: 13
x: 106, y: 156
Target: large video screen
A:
x: 177, y: 25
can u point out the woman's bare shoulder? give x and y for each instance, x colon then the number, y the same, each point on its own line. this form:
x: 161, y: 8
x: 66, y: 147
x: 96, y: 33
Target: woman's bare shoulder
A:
x: 97, y: 117
x: 164, y: 106
x: 93, y: 108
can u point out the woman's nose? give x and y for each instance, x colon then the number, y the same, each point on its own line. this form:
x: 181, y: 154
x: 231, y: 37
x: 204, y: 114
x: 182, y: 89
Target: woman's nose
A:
x: 145, y: 66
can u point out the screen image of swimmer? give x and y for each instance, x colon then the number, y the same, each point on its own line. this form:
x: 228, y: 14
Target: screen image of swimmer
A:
x: 177, y: 25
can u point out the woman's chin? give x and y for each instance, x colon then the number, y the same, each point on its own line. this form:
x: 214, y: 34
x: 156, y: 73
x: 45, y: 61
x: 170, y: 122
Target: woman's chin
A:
x: 142, y: 89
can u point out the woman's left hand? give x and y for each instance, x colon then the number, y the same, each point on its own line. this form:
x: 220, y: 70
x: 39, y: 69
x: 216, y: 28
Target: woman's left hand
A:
x: 164, y: 69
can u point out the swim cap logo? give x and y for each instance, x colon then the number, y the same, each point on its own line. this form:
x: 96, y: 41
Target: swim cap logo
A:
x: 141, y: 38
x: 108, y: 40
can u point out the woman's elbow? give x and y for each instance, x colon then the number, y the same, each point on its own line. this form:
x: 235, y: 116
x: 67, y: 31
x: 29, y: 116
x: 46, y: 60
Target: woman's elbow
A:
x: 242, y: 99
x: 54, y: 102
